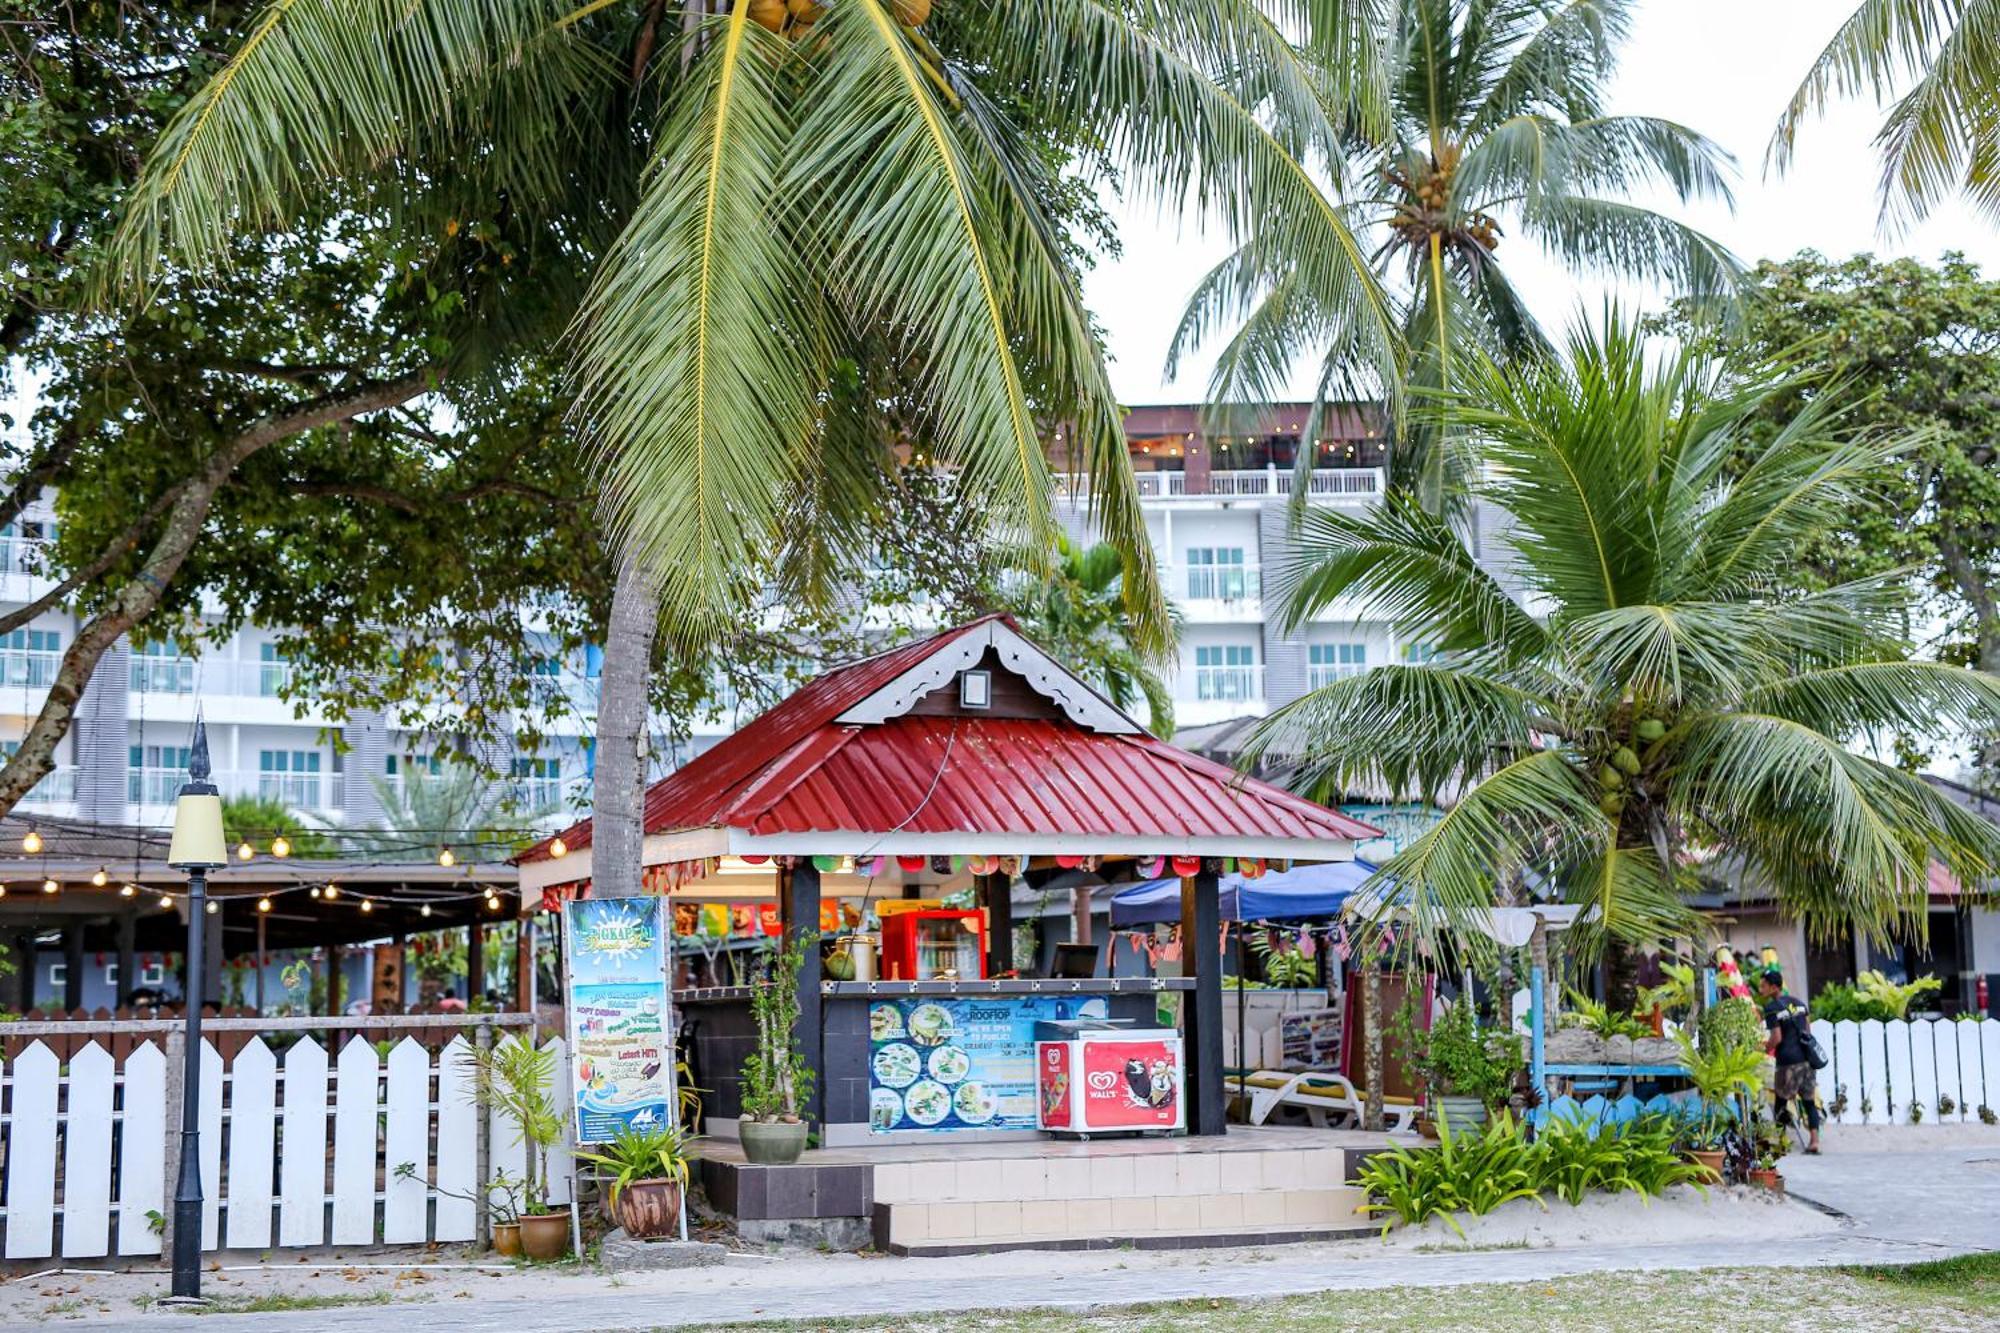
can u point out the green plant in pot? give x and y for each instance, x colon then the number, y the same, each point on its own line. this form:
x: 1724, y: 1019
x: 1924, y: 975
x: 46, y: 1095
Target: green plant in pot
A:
x: 1469, y: 1071
x: 503, y: 1197
x: 646, y: 1170
x: 777, y: 1081
x: 517, y: 1079
x: 1719, y: 1071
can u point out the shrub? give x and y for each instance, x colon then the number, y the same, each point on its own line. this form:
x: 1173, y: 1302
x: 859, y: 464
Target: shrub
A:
x: 1732, y: 1023
x: 1456, y: 1058
x: 1576, y: 1158
x: 1474, y: 1172
x: 1600, y: 1021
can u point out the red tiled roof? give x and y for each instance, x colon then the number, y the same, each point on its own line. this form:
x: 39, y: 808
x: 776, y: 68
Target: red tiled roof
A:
x: 796, y: 769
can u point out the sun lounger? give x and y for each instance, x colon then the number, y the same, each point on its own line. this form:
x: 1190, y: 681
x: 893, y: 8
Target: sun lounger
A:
x: 1317, y: 1096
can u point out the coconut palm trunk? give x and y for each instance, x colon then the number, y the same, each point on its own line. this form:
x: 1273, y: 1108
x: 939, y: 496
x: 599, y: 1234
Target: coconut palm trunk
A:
x: 618, y: 791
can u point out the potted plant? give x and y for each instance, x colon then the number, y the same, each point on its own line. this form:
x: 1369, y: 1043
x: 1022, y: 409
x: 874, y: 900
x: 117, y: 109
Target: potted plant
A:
x: 516, y: 1078
x: 1468, y: 1071
x: 1770, y: 1144
x: 647, y: 1171
x: 503, y: 1196
x: 776, y: 1078
x: 1720, y: 1070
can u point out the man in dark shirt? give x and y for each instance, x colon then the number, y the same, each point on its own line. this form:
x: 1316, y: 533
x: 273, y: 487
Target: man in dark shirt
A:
x: 1786, y: 1020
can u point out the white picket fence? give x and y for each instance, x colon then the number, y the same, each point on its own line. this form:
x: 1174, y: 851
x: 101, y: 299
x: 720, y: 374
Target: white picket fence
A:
x: 1892, y: 1066
x: 297, y: 1150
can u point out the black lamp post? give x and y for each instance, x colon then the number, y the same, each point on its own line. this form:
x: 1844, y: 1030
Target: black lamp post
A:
x: 198, y: 847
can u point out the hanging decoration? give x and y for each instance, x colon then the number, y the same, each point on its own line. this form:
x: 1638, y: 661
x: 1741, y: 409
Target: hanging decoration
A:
x: 753, y: 859
x: 1250, y: 867
x: 911, y: 865
x: 1152, y: 867
x: 826, y: 864
x: 1187, y: 865
x: 1069, y: 861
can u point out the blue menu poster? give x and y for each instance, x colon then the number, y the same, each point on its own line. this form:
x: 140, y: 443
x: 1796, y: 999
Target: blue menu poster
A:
x: 957, y: 1064
x: 621, y: 1053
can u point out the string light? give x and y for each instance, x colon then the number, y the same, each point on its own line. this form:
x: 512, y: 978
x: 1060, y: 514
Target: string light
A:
x: 367, y: 904
x: 50, y: 886
x: 445, y: 858
x: 128, y: 890
x: 558, y: 849
x: 425, y: 910
x: 281, y: 847
x: 332, y: 892
x: 244, y: 851
x: 166, y: 901
x: 263, y: 904
x: 32, y: 843
x: 315, y: 890
x: 101, y: 878
x: 3, y: 890
x: 214, y: 907
x: 493, y: 902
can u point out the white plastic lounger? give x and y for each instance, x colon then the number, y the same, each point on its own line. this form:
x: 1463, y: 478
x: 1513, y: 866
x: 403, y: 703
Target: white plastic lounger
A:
x: 1317, y: 1095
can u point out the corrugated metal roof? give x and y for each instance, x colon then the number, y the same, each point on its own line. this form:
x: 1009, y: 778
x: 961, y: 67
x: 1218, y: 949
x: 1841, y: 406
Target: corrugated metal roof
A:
x: 798, y: 770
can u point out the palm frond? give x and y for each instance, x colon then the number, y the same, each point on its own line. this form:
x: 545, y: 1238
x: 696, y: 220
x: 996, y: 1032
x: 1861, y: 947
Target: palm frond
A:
x: 1609, y: 236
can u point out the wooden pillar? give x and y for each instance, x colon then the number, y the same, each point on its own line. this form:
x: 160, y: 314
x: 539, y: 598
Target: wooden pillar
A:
x: 475, y: 960
x: 997, y: 890
x: 524, y: 965
x: 1201, y: 1014
x: 25, y: 962
x: 333, y: 958
x: 72, y: 942
x: 211, y: 962
x: 128, y: 957
x: 798, y: 909
x: 257, y: 964
x: 1080, y: 910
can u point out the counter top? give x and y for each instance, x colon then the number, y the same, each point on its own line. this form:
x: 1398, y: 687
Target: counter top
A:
x: 863, y: 990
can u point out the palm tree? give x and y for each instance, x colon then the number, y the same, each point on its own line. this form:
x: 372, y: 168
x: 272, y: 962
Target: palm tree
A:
x: 1496, y: 122
x: 1080, y: 614
x: 789, y: 197
x: 479, y: 818
x: 1942, y: 134
x: 1657, y: 694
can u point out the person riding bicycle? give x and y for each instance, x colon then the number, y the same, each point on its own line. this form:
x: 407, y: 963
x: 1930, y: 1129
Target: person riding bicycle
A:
x: 1786, y: 1018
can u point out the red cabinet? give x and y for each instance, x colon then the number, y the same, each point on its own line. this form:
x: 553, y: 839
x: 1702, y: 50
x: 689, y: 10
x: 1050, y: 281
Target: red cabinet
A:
x: 933, y: 945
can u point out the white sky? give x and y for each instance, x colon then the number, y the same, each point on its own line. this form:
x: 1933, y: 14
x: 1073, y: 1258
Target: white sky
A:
x: 1723, y: 67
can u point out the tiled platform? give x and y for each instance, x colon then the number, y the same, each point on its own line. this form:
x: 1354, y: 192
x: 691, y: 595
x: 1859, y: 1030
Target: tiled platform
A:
x: 1253, y: 1185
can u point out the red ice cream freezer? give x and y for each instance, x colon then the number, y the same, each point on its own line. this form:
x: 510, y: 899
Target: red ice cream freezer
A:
x: 1098, y: 1080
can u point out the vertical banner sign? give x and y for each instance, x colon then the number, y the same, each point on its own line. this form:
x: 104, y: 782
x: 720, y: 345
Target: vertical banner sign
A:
x: 621, y: 1047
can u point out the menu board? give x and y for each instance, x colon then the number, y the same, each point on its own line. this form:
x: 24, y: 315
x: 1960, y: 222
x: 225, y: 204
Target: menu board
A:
x: 947, y: 1064
x: 621, y: 1055
x: 1311, y: 1038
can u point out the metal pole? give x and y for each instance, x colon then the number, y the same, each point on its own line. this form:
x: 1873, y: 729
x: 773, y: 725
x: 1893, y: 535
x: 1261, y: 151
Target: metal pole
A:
x: 260, y: 964
x: 187, y: 1193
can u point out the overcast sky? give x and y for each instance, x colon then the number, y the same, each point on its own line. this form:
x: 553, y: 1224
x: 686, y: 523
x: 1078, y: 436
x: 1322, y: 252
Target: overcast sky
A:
x: 1723, y: 67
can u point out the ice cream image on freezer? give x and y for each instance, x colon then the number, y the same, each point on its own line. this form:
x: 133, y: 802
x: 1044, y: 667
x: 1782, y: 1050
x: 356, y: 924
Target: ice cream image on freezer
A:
x: 1140, y: 1081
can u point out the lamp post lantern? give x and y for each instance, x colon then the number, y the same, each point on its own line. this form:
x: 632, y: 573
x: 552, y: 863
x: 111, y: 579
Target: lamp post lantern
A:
x: 198, y: 847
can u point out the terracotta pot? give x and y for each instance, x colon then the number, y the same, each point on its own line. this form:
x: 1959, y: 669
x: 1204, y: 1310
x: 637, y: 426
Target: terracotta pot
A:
x: 1427, y: 1128
x: 507, y: 1239
x: 1710, y: 1159
x: 649, y: 1209
x: 1767, y: 1178
x: 545, y: 1236
x: 774, y: 1143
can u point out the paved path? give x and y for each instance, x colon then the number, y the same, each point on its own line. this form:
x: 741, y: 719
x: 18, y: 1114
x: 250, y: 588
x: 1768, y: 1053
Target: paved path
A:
x: 1905, y: 1206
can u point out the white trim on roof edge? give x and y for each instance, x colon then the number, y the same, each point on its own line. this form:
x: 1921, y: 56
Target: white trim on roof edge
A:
x: 1083, y: 705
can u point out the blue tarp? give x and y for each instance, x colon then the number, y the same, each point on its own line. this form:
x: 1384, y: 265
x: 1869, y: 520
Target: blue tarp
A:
x: 1288, y: 895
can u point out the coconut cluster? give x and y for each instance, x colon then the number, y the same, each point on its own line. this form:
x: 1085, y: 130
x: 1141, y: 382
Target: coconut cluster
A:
x: 794, y: 18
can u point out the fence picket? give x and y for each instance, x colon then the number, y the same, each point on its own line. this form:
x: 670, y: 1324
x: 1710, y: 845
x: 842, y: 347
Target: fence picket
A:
x: 356, y: 1105
x: 1847, y: 1068
x: 211, y: 1146
x: 507, y: 1154
x: 253, y: 1103
x: 562, y: 1167
x: 1989, y: 1065
x: 1828, y: 1079
x: 142, y: 1147
x: 87, y: 1155
x: 302, y: 1176
x: 1874, y: 1080
x: 457, y: 1144
x: 31, y: 1154
x: 408, y: 1139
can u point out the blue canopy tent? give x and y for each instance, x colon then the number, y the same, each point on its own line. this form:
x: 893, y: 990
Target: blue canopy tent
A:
x: 1284, y: 895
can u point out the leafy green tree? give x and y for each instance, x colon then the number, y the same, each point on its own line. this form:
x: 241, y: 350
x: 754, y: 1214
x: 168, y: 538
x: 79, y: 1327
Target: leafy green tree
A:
x: 1913, y: 349
x: 1080, y: 615
x: 1936, y: 63
x: 1662, y: 691
x: 259, y: 819
x: 1495, y: 121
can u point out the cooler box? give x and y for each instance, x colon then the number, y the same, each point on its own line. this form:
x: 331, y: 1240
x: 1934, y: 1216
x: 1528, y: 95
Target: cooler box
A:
x: 1095, y: 1079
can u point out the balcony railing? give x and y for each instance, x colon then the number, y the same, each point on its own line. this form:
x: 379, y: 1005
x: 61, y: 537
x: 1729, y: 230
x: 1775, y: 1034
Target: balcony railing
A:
x: 58, y: 788
x: 1222, y: 583
x: 162, y: 675
x: 31, y: 668
x: 1228, y: 684
x: 1331, y: 482
x: 21, y: 555
x: 1322, y: 674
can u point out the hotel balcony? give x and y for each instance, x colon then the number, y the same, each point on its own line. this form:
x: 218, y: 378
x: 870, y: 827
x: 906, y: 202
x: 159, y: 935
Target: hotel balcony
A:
x: 1331, y: 485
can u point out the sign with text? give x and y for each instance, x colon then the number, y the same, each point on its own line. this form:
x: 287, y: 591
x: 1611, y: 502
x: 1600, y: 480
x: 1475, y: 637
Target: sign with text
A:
x: 619, y: 1004
x: 959, y: 1063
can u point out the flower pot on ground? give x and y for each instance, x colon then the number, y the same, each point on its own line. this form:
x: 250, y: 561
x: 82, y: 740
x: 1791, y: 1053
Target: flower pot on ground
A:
x: 507, y: 1239
x: 1767, y: 1177
x: 1709, y: 1160
x: 646, y: 1171
x: 545, y: 1236
x: 776, y: 1079
x: 517, y: 1079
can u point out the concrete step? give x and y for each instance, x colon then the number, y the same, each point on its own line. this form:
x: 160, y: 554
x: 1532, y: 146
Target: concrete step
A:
x: 1159, y: 1240
x: 1146, y: 1169
x: 1175, y: 1219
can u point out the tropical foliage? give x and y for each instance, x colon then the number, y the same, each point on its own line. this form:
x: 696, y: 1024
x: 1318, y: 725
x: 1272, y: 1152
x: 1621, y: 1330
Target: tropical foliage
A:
x: 1470, y: 1172
x: 1495, y: 121
x: 1871, y: 996
x: 1649, y: 690
x: 1937, y: 65
x: 1080, y: 613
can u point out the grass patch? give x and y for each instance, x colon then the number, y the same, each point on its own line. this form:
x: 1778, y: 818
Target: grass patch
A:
x: 1969, y: 1277
x: 275, y: 1302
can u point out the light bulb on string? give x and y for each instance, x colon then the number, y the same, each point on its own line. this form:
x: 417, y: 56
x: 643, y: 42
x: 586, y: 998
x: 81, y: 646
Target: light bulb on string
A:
x: 281, y: 846
x: 263, y: 904
x: 367, y: 904
x: 166, y: 901
x: 244, y: 851
x: 213, y: 907
x: 101, y: 878
x: 3, y: 890
x: 332, y: 891
x: 425, y: 910
x: 50, y: 886
x: 558, y: 849
x: 445, y: 857
x: 32, y: 842
x: 128, y: 890
x: 315, y: 890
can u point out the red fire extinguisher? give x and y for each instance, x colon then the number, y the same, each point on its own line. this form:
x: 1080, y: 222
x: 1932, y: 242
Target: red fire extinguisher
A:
x: 1979, y: 995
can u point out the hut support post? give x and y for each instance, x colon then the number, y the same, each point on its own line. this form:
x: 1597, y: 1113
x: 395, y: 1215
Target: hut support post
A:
x: 128, y: 958
x: 798, y: 906
x: 997, y: 894
x: 72, y: 942
x: 475, y: 961
x: 1201, y: 958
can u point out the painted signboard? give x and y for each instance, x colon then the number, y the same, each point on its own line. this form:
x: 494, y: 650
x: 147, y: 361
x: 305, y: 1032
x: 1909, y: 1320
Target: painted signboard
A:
x: 619, y: 1003
x: 958, y: 1063
x: 1311, y: 1038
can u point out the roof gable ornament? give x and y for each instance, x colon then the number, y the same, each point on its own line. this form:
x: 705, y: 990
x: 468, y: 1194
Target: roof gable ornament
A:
x: 1047, y: 677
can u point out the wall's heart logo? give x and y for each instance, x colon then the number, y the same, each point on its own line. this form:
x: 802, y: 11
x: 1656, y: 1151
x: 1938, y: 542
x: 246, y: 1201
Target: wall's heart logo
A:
x: 1102, y: 1080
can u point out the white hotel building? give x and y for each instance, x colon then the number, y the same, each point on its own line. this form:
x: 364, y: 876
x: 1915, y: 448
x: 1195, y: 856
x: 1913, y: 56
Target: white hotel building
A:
x: 1215, y: 508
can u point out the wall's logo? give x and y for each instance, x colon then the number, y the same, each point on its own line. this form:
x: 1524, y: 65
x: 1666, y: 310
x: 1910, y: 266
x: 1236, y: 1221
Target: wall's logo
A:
x: 1102, y: 1080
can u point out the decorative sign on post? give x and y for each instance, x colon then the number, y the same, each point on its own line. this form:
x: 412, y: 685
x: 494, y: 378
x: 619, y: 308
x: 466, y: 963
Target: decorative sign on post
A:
x: 619, y: 1001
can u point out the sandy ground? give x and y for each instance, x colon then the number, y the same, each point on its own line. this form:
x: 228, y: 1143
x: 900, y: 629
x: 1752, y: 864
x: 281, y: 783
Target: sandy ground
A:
x: 1680, y: 1216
